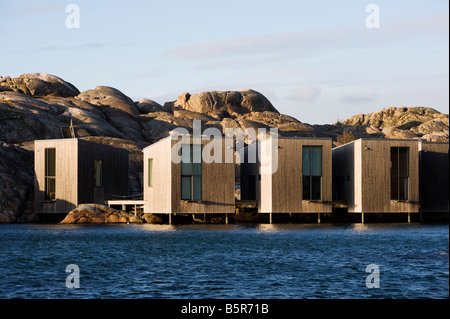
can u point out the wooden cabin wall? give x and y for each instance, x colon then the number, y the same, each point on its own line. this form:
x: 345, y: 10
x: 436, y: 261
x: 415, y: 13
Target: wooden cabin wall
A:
x: 66, y: 172
x: 284, y: 187
x: 376, y: 176
x: 159, y: 196
x: 114, y: 172
x: 434, y: 184
x: 218, y: 183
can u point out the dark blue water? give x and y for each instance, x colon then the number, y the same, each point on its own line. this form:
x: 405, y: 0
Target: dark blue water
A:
x: 224, y: 261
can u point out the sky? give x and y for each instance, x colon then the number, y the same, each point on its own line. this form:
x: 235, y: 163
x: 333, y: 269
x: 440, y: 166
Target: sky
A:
x: 318, y: 61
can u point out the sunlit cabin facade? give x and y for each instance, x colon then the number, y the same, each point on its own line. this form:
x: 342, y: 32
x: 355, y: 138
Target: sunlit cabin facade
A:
x: 290, y: 175
x: 71, y: 171
x: 434, y: 185
x: 177, y: 179
x: 377, y: 175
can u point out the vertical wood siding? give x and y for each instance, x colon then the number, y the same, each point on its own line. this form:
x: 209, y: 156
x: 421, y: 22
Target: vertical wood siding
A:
x: 75, y: 173
x: 434, y: 185
x: 281, y: 192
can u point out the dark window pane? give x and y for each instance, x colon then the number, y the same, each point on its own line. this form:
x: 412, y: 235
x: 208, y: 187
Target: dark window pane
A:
x: 50, y: 173
x: 197, y: 188
x: 197, y: 169
x: 399, y: 173
x: 50, y: 188
x: 191, y: 172
x: 186, y: 187
x: 403, y: 188
x: 394, y: 161
x: 50, y: 162
x: 306, y: 187
x: 403, y: 159
x: 316, y: 160
x: 186, y: 159
x: 394, y: 188
x: 305, y: 160
x: 186, y: 168
x: 316, y: 187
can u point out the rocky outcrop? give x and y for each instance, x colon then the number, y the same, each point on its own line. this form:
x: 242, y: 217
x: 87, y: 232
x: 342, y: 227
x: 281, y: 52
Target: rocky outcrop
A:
x: 27, y: 118
x: 401, y: 117
x: 16, y: 183
x: 38, y: 84
x: 119, y: 110
x: 405, y: 122
x: 101, y: 214
x: 95, y: 214
x: 146, y: 106
x: 111, y: 98
x: 220, y: 104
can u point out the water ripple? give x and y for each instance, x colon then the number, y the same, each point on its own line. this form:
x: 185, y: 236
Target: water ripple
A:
x: 227, y: 261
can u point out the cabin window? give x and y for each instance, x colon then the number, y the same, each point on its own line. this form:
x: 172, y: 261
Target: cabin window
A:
x: 50, y: 173
x: 399, y: 173
x: 98, y: 173
x: 312, y: 172
x: 191, y: 172
x: 150, y: 172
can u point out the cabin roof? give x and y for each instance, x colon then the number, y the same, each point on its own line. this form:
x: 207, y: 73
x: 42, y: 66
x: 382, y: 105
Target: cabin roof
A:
x: 202, y: 136
x: 83, y: 141
x: 379, y: 139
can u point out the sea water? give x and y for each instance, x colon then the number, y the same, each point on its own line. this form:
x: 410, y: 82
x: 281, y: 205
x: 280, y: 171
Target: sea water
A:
x: 278, y: 261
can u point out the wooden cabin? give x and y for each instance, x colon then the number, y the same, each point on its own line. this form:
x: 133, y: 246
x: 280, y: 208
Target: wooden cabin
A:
x: 291, y: 175
x: 433, y: 168
x: 377, y: 175
x: 71, y: 171
x: 178, y: 180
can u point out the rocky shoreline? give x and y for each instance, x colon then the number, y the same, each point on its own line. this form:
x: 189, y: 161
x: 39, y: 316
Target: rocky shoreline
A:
x: 101, y: 214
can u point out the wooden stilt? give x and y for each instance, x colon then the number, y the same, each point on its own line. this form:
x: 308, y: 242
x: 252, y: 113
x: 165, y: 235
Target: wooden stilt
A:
x: 270, y: 218
x: 318, y: 218
x: 170, y: 218
x: 226, y: 218
x: 362, y: 218
x: 409, y: 217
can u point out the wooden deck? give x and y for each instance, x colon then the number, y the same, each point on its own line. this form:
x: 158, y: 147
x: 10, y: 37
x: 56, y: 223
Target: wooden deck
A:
x: 126, y: 202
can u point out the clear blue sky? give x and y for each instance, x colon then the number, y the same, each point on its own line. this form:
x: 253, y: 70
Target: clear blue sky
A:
x: 314, y: 60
